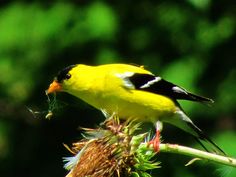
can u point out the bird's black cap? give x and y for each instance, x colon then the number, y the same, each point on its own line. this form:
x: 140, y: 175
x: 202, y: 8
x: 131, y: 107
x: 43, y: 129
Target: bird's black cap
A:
x: 63, y: 74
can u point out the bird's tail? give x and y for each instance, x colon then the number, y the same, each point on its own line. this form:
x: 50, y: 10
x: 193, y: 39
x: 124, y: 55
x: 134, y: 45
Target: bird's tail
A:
x: 203, y: 139
x: 198, y: 98
x: 183, y: 121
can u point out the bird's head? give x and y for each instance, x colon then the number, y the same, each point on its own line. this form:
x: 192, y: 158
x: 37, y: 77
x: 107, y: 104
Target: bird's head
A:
x: 62, y: 81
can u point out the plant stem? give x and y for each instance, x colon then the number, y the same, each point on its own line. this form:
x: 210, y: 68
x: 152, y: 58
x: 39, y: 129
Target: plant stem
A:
x: 174, y: 148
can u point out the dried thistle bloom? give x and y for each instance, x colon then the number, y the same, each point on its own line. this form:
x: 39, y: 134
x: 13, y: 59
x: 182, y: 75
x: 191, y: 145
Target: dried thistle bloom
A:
x: 111, y: 150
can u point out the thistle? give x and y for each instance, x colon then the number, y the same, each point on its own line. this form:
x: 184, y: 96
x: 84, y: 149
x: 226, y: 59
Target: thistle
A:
x: 112, y: 150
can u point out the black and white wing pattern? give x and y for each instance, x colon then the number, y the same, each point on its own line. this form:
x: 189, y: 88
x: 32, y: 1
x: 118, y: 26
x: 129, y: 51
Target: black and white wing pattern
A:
x: 155, y: 84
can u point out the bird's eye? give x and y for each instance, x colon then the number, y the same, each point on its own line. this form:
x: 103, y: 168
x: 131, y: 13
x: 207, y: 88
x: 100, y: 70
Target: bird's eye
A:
x: 68, y: 76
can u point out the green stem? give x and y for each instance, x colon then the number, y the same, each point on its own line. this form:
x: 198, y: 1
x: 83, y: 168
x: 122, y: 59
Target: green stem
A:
x: 174, y: 148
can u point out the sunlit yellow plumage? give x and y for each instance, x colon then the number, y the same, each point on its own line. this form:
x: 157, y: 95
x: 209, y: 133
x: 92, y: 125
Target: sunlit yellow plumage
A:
x: 130, y: 92
x: 106, y: 90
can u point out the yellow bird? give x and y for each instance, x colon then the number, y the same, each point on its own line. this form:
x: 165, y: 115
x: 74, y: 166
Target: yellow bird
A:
x: 130, y: 92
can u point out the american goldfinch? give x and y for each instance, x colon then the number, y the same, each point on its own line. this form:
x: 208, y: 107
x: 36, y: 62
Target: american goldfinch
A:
x: 130, y: 92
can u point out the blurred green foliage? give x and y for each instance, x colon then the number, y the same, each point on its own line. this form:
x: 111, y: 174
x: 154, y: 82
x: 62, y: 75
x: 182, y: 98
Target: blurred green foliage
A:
x: 191, y: 43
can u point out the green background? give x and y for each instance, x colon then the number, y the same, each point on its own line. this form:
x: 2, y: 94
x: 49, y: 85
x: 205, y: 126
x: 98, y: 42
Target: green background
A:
x: 190, y: 43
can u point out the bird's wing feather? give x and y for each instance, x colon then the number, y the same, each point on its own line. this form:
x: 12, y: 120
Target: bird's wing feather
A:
x: 184, y: 122
x: 157, y: 85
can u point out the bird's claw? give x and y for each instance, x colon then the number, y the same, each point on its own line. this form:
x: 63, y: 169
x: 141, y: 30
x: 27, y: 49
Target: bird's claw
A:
x: 155, y: 142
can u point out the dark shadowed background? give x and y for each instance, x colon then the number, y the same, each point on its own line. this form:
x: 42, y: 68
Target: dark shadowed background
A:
x: 191, y: 43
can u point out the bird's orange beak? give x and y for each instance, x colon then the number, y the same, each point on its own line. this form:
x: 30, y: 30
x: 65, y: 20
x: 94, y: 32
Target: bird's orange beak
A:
x: 54, y: 87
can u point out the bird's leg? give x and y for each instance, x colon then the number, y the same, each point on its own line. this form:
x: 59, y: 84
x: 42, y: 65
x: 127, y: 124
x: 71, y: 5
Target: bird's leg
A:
x: 156, y: 140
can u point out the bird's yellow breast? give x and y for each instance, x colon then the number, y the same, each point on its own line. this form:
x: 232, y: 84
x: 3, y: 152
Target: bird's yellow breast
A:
x: 102, y: 88
x: 137, y: 104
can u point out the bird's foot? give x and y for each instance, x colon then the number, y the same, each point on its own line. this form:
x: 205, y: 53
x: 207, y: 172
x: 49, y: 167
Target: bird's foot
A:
x: 155, y: 142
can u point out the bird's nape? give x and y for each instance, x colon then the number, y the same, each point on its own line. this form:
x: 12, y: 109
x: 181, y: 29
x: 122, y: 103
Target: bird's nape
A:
x: 132, y: 90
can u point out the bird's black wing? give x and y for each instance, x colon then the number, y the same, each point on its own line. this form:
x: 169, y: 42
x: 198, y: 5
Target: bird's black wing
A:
x: 151, y: 83
x: 155, y: 84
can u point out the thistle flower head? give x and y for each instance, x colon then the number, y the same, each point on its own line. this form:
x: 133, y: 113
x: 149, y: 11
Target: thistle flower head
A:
x: 112, y: 150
